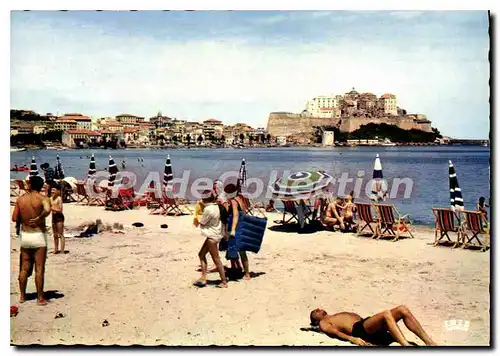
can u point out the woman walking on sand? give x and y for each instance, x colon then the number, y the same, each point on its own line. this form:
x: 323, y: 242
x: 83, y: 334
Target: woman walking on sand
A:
x: 212, y: 229
x: 56, y: 204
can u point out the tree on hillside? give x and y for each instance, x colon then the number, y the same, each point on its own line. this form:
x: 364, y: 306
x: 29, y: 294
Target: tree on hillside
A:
x: 242, y: 138
x: 268, y: 138
x: 200, y: 139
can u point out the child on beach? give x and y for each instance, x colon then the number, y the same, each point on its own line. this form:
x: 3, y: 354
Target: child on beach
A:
x: 56, y: 205
x: 212, y: 229
x: 481, y: 206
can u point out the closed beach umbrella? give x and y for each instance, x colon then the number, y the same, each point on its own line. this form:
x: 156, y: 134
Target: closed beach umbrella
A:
x: 242, y: 175
x: 33, y: 167
x: 300, y: 185
x: 92, y: 169
x: 59, y: 171
x: 167, y: 173
x: 378, y: 192
x: 113, y: 170
x: 457, y: 203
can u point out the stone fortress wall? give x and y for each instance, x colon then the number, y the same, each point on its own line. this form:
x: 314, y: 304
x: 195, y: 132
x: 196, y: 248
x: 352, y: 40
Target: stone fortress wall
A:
x: 286, y: 124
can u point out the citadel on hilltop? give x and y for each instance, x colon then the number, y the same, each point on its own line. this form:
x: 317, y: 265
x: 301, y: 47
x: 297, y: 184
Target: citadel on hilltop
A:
x: 346, y: 112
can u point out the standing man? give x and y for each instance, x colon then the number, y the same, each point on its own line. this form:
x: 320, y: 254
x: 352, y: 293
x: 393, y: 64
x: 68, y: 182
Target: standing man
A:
x: 31, y: 209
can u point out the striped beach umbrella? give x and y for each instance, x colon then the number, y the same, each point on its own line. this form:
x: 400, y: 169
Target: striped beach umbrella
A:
x: 92, y: 169
x: 59, y: 171
x: 300, y: 185
x: 378, y: 191
x: 456, y: 200
x: 242, y: 175
x: 167, y: 173
x: 33, y: 167
x: 113, y: 170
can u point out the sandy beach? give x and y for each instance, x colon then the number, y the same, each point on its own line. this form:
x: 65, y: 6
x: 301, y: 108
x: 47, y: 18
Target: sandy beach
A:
x: 141, y: 283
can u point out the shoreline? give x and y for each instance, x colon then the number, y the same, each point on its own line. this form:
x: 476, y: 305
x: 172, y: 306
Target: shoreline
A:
x: 141, y: 282
x: 248, y: 147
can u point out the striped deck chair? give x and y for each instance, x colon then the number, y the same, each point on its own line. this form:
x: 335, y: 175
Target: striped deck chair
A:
x: 447, y: 221
x: 174, y: 205
x: 84, y: 197
x: 290, y: 207
x: 474, y: 225
x: 391, y: 222
x: 248, y: 207
x: 365, y: 215
x: 14, y: 189
x: 21, y: 186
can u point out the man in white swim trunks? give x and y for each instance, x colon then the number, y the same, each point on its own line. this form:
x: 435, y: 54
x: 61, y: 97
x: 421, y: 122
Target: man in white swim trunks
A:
x: 31, y: 209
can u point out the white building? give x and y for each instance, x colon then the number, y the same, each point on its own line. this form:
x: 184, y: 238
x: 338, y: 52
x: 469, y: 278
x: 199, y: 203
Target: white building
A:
x: 390, y: 104
x: 324, y: 106
x: 328, y: 138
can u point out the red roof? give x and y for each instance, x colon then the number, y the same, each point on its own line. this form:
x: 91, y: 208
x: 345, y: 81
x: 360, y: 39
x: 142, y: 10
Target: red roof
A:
x: 388, y: 96
x: 130, y: 130
x: 124, y: 115
x: 75, y: 117
x: 213, y: 121
x: 110, y: 124
x: 65, y: 120
x: 78, y: 132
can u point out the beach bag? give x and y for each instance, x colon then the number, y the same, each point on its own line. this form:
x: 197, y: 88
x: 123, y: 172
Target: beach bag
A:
x: 248, y: 235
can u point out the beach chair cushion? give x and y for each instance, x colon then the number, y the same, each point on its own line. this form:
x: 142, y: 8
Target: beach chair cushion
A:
x: 249, y: 233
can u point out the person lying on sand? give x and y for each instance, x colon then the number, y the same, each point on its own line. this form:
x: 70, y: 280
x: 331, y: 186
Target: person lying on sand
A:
x: 380, y: 329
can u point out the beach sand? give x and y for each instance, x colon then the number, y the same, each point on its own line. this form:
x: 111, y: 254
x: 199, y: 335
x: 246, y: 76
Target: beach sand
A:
x: 141, y: 283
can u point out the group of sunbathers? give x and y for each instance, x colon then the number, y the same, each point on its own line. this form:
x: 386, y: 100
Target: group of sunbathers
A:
x: 336, y: 212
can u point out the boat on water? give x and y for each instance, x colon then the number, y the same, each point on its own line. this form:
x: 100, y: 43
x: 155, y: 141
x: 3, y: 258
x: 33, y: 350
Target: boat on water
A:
x: 387, y: 143
x: 17, y: 149
x: 20, y: 169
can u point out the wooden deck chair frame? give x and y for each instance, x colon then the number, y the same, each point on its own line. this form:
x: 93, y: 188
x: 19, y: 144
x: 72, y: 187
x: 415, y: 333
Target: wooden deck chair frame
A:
x: 390, y: 218
x: 473, y: 224
x: 173, y: 205
x: 21, y: 186
x: 290, y: 207
x: 14, y: 188
x: 365, y: 215
x: 82, y: 194
x: 447, y: 221
x: 251, y: 209
x: 84, y: 197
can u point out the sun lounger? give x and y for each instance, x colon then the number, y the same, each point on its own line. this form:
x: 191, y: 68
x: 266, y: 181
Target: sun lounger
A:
x: 447, y: 221
x: 391, y: 223
x: 365, y: 215
x: 473, y: 226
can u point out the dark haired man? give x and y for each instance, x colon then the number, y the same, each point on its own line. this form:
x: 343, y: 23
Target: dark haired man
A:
x: 380, y: 329
x: 31, y: 209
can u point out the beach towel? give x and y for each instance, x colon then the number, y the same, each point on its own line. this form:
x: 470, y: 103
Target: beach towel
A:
x: 248, y: 235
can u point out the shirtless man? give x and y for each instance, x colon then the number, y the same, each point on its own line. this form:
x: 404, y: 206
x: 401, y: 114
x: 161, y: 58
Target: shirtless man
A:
x: 31, y: 209
x: 380, y: 329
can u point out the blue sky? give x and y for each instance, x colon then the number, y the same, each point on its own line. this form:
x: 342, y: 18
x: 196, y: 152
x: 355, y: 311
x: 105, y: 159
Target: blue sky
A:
x: 238, y: 66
